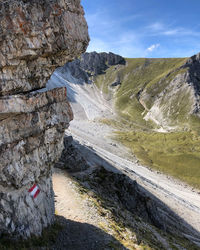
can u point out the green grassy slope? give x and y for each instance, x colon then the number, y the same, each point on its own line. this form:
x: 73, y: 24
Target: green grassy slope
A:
x: 175, y: 153
x: 138, y: 75
x: 142, y: 80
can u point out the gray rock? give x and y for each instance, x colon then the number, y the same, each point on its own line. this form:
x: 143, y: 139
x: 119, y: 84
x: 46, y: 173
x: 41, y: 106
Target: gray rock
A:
x: 121, y: 190
x: 71, y: 158
x: 91, y: 64
x: 21, y: 215
x: 36, y: 37
x: 115, y: 84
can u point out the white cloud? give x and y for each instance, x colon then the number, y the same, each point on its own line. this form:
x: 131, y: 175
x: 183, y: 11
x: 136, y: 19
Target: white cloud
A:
x: 153, y: 47
x: 123, y: 36
x: 171, y: 32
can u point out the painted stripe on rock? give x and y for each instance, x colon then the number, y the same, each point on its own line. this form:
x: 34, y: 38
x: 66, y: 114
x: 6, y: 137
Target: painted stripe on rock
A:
x: 34, y: 191
x: 31, y: 189
x: 36, y: 194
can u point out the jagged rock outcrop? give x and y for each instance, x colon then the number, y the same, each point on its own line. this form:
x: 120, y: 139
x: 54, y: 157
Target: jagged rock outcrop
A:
x: 176, y: 96
x: 36, y: 37
x: 193, y: 66
x: 92, y: 64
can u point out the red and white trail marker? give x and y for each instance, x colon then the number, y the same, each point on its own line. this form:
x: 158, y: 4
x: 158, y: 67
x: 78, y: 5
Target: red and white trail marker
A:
x: 34, y: 191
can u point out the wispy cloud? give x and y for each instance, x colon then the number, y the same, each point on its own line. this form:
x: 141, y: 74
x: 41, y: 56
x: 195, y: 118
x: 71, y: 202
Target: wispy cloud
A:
x: 135, y: 36
x: 102, y: 22
x: 153, y: 47
x: 171, y: 32
x: 111, y: 35
x: 159, y: 28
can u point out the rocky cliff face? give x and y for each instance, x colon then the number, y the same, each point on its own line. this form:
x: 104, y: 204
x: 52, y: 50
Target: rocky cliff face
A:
x: 36, y: 37
x: 92, y: 64
x: 176, y: 96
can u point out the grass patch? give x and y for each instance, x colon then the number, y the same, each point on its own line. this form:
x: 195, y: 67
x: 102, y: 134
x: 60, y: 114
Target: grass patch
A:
x: 176, y: 154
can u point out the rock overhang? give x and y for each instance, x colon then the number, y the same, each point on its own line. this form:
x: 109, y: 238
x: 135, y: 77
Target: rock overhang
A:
x: 36, y: 37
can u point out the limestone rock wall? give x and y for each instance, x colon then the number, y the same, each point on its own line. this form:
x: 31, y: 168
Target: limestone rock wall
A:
x: 36, y: 36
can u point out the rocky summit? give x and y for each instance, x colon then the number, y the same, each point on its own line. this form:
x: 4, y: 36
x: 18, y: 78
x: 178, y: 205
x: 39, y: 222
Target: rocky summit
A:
x: 36, y: 37
x: 92, y: 64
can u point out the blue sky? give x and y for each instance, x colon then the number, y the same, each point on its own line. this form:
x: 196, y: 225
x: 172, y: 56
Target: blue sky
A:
x: 144, y: 28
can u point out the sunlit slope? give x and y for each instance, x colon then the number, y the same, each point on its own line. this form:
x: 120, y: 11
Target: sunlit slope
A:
x: 153, y: 96
x: 174, y: 153
x: 152, y: 92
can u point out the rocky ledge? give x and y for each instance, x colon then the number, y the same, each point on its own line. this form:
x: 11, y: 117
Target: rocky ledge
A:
x: 36, y: 37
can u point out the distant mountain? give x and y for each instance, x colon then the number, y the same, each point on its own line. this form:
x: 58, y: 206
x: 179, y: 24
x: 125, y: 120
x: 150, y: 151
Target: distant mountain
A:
x: 92, y: 64
x: 151, y: 92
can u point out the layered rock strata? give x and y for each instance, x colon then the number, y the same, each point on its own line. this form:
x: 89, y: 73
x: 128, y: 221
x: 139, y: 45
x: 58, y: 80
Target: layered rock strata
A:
x: 35, y: 37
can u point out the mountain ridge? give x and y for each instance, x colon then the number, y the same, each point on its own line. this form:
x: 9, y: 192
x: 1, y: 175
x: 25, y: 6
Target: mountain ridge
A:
x: 154, y: 85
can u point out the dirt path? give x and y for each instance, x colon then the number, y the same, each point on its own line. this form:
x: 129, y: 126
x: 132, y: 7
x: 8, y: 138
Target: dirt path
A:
x: 68, y: 203
x: 80, y: 219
